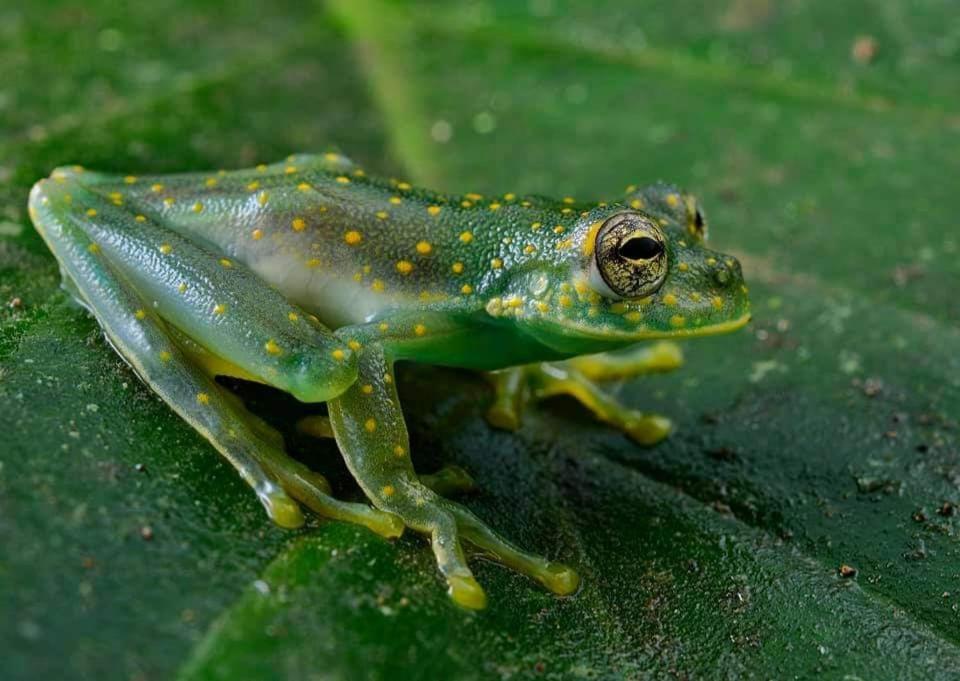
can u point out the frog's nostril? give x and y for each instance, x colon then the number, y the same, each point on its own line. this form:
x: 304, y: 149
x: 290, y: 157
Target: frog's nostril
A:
x: 722, y: 276
x: 728, y: 273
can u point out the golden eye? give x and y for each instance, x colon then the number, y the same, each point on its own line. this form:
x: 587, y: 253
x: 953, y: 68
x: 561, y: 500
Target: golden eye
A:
x: 631, y: 256
x: 696, y: 221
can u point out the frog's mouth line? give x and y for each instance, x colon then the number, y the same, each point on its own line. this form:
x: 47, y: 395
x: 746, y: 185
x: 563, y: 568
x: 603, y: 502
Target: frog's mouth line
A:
x: 711, y: 330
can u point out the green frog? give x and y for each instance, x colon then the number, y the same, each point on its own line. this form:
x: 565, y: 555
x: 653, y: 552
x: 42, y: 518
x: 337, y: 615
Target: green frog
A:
x: 311, y: 277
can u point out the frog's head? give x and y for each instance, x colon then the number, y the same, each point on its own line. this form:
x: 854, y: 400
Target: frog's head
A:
x: 632, y: 272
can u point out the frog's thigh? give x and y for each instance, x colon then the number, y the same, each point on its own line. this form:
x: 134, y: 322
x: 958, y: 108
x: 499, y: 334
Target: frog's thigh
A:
x: 549, y: 379
x: 145, y: 342
x: 372, y: 436
x: 656, y: 357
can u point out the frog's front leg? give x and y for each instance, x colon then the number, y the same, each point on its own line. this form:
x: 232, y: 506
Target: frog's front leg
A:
x: 576, y: 377
x: 111, y: 259
x: 370, y: 431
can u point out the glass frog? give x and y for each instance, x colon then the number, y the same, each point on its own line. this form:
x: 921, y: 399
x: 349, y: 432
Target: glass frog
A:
x: 311, y: 277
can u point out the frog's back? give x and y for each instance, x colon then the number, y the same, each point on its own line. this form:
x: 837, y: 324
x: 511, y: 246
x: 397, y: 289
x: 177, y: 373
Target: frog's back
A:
x: 342, y: 244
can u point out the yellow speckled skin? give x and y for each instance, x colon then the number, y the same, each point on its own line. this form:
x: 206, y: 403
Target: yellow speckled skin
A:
x: 311, y: 277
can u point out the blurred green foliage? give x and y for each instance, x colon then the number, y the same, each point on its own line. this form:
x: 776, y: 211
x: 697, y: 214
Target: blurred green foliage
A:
x: 823, y: 139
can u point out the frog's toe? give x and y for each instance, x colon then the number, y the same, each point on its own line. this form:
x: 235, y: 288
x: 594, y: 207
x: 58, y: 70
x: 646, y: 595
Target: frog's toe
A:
x: 449, y: 481
x: 647, y: 429
x: 557, y: 577
x: 281, y: 509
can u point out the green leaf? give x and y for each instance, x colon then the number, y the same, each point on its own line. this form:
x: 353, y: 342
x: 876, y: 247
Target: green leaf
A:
x: 825, y: 435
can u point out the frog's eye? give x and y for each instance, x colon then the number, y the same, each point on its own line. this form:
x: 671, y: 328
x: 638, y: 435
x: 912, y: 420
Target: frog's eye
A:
x: 696, y: 220
x: 630, y: 257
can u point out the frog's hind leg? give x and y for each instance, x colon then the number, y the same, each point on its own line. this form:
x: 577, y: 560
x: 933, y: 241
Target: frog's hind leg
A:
x: 372, y: 436
x: 517, y: 387
x: 79, y: 228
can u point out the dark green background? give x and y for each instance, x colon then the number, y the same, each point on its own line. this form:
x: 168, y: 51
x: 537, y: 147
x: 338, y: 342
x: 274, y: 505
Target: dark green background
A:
x: 824, y: 434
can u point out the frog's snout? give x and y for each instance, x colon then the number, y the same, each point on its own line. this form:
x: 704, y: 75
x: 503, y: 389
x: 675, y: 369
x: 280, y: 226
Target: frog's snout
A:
x: 728, y: 272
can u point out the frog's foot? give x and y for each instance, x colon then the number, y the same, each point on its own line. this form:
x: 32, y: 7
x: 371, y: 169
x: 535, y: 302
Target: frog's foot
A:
x: 534, y: 382
x: 372, y: 436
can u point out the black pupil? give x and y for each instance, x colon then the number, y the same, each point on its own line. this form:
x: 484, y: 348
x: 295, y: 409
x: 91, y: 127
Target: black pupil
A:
x: 641, y: 248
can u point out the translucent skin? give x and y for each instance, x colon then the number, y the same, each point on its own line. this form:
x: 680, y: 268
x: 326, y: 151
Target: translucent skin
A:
x: 314, y: 278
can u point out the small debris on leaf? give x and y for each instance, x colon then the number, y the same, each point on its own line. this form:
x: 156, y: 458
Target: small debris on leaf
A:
x: 847, y: 571
x: 864, y: 49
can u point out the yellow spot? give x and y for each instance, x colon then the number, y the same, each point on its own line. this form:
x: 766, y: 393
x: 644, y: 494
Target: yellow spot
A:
x: 130, y: 179
x: 203, y: 398
x: 466, y: 204
x: 338, y: 354
x: 566, y: 211
x: 383, y: 326
x: 564, y: 245
x: 182, y: 288
x: 529, y: 248
x: 589, y: 243
x: 559, y: 229
x: 388, y: 491
x: 717, y: 302
x: 473, y: 196
x: 272, y: 348
x: 677, y: 321
x: 169, y: 201
x: 457, y: 267
x: 254, y: 186
x: 466, y: 289
x: 367, y: 389
x: 536, y: 225
x: 568, y: 199
x: 331, y: 156
x: 404, y: 186
x: 513, y: 301
x: 219, y: 308
x: 695, y: 297
x: 387, y: 378
x: 257, y: 234
x: 382, y: 215
x: 313, y: 262
x: 370, y: 425
x: 420, y: 329
x: 433, y: 210
x: 117, y: 198
x: 140, y: 314
x: 636, y: 204
x: 293, y: 316
x: 377, y: 286
x: 166, y: 249
x: 424, y: 247
x: 494, y: 206
x: 565, y: 300
x: 711, y: 261
x: 510, y: 196
x: 630, y: 188
x: 542, y: 306
x: 404, y: 266
x: 683, y: 267
x: 262, y: 198
x: 198, y: 207
x: 673, y: 200
x: 618, y: 308
x: 466, y: 237
x: 141, y: 218
x: 156, y: 188
x: 670, y: 300
x: 262, y: 167
x: 353, y: 237
x: 496, y: 263
x: 211, y: 182
x: 298, y: 224
x: 304, y: 187
x: 633, y: 316
x: 225, y: 263
x: 359, y: 172
x: 91, y: 212
x: 354, y: 345
x: 395, y: 200
x: 343, y: 179
x: 164, y: 356
x: 290, y: 170
x: 399, y: 451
